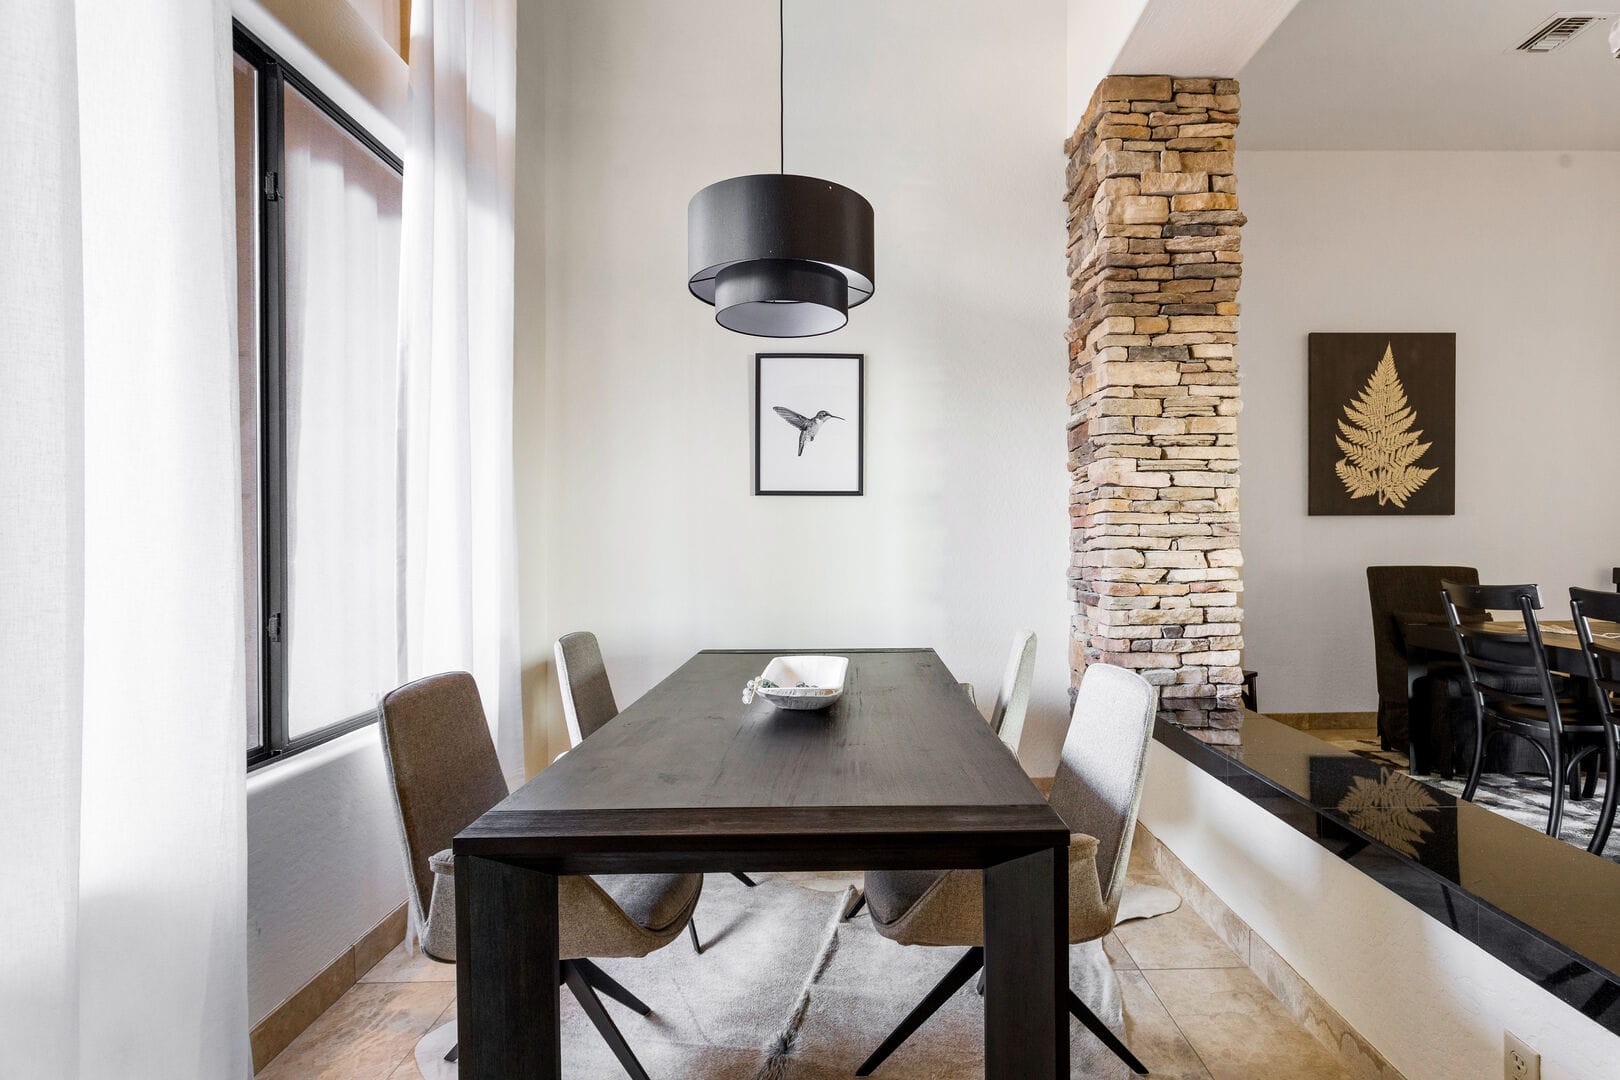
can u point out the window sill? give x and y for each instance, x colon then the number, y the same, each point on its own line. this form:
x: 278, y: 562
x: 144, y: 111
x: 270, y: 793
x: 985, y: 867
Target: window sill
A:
x: 258, y: 759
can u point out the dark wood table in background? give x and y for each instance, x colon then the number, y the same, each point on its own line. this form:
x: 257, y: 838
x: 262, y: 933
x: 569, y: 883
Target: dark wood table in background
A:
x: 901, y: 773
x: 1427, y: 642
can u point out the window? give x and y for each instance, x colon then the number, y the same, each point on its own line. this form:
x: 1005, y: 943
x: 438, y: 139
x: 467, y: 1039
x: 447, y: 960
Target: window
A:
x: 318, y: 232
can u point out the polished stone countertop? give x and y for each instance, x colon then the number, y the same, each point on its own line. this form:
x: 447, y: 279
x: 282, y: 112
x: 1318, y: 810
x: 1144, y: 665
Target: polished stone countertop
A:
x: 1547, y: 909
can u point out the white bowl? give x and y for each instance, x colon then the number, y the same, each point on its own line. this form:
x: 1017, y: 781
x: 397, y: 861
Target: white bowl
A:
x: 823, y: 676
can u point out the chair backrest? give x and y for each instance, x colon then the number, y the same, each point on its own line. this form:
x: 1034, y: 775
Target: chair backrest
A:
x: 442, y: 766
x: 1098, y: 787
x: 1007, y: 718
x: 1397, y: 591
x: 1602, y: 654
x: 1496, y: 663
x: 587, y: 695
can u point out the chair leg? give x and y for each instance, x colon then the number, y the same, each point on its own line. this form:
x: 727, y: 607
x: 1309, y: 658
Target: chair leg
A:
x: 601, y: 981
x: 454, y: 1054
x: 744, y: 878
x: 964, y: 969
x: 1590, y: 788
x: 1605, y: 822
x: 1082, y: 1012
x: 855, y: 909
x: 1477, y: 766
x: 1575, y: 773
x: 1556, y: 772
x: 604, y: 1023
x: 691, y: 928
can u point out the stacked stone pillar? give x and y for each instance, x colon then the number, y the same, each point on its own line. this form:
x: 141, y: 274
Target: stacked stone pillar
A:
x: 1154, y: 266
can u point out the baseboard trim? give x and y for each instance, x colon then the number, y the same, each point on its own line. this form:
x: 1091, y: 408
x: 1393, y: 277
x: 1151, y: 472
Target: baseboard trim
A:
x: 1326, y: 721
x: 304, y: 1006
x: 1313, y: 1013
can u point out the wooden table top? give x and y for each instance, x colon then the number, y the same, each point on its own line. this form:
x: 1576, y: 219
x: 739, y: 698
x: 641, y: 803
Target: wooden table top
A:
x: 1557, y: 636
x: 1562, y: 629
x: 904, y: 754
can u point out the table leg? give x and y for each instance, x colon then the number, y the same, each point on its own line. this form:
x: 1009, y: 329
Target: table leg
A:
x: 1026, y: 968
x: 506, y: 972
x: 1416, y: 668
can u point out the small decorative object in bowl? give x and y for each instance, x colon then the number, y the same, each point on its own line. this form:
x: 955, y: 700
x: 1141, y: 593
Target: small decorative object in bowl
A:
x: 800, y: 682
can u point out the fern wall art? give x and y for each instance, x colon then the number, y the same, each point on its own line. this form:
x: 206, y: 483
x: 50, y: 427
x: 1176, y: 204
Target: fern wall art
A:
x: 1383, y: 423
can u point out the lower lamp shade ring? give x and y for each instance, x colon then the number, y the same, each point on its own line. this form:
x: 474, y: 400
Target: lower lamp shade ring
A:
x: 781, y: 298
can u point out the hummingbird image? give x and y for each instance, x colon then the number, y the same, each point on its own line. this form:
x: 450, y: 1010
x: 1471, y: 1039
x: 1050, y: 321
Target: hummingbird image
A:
x: 807, y: 425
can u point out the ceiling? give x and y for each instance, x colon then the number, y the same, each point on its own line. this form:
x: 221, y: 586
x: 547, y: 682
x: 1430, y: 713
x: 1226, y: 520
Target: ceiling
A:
x: 1429, y: 75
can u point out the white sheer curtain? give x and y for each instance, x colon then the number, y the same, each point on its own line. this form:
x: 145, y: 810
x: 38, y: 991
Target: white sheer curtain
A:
x: 459, y: 561
x: 343, y: 218
x: 122, y: 908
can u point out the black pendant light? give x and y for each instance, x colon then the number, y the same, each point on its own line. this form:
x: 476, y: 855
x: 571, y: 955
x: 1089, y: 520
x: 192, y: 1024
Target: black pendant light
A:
x: 779, y: 255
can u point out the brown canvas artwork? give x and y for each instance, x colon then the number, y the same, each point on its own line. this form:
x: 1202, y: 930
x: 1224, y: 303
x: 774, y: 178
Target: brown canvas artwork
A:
x: 1383, y: 423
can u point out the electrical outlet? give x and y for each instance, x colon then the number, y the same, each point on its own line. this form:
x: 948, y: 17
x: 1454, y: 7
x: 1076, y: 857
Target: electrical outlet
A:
x: 1519, y: 1059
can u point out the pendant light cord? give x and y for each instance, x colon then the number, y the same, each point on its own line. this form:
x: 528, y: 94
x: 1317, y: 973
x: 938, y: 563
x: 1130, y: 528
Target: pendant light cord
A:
x: 781, y: 86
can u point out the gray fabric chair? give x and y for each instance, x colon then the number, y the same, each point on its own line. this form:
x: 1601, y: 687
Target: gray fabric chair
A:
x: 445, y: 775
x: 1007, y: 715
x: 587, y: 696
x: 1097, y: 791
x: 588, y: 703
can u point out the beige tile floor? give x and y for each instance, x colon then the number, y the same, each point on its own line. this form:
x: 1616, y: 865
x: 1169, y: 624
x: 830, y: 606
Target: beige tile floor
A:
x: 1194, y: 1011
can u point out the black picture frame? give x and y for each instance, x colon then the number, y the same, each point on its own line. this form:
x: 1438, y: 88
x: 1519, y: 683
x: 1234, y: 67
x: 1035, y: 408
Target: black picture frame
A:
x: 860, y: 421
x: 1340, y: 367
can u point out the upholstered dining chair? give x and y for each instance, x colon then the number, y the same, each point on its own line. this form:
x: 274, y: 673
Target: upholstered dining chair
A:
x: 588, y: 703
x: 1410, y: 594
x: 1097, y: 791
x: 587, y: 696
x: 1516, y: 694
x: 1603, y: 669
x: 445, y: 775
x: 1007, y: 715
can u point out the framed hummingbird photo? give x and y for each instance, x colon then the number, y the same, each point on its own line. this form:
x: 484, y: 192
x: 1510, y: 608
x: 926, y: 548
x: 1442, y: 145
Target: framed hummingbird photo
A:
x: 809, y: 423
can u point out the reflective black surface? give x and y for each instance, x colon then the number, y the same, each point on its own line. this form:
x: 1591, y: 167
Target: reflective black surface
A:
x: 1546, y: 908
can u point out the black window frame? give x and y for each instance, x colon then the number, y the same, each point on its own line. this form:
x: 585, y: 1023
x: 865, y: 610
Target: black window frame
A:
x: 272, y: 76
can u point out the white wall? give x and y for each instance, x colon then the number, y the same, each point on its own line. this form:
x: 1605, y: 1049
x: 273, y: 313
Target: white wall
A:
x: 324, y: 862
x: 1097, y: 30
x: 1433, y: 1004
x: 1519, y: 254
x: 641, y: 526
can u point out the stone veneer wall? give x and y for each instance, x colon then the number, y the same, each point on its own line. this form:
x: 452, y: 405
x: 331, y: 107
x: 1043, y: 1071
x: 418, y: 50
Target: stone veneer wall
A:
x: 1154, y: 265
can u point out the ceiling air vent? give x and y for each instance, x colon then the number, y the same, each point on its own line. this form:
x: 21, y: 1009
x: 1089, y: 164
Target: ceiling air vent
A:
x: 1559, y: 30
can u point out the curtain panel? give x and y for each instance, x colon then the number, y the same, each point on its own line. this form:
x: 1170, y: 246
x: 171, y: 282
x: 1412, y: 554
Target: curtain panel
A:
x: 123, y: 908
x: 457, y: 519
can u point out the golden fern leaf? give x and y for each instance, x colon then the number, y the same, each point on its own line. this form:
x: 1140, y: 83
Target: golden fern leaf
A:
x: 1402, y: 483
x: 1380, y: 450
x: 1360, y: 483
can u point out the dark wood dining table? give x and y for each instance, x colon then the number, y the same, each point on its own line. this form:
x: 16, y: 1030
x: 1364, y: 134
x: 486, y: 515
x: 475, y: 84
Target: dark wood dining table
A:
x: 901, y: 773
x: 1427, y: 642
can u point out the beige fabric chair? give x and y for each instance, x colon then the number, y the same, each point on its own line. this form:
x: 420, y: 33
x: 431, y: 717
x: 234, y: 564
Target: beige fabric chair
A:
x: 588, y: 703
x: 587, y: 696
x: 1097, y: 791
x: 445, y: 775
x: 1007, y: 716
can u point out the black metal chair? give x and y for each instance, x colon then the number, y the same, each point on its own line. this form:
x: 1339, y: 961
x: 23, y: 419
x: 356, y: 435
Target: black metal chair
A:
x: 1603, y: 668
x: 1502, y: 668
